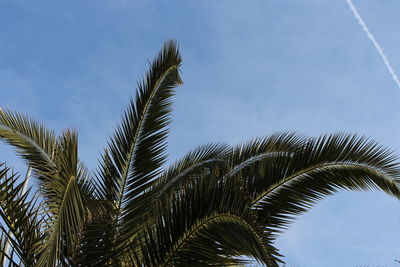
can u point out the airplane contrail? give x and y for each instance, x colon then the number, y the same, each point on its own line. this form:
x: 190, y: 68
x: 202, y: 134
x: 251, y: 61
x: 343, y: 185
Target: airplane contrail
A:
x: 373, y: 40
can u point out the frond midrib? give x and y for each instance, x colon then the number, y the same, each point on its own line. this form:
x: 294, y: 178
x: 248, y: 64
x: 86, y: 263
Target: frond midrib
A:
x: 319, y: 166
x: 33, y: 143
x: 254, y: 159
x: 186, y: 171
x: 60, y: 208
x: 134, y: 142
x: 204, y: 223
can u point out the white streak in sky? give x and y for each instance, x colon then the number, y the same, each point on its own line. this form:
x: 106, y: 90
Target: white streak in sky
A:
x: 372, y: 38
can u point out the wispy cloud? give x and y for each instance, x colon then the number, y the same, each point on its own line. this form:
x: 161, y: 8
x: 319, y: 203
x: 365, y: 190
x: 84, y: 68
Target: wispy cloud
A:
x: 373, y: 40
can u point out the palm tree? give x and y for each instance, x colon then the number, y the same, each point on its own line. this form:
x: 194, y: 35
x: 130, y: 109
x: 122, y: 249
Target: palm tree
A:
x: 218, y: 205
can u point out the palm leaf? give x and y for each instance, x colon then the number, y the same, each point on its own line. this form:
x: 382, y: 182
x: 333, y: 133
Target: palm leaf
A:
x: 6, y: 255
x: 246, y: 159
x: 212, y: 207
x: 319, y: 168
x: 205, y: 158
x: 207, y: 223
x: 137, y: 149
x: 66, y: 204
x: 33, y: 142
x: 202, y: 160
x: 21, y: 226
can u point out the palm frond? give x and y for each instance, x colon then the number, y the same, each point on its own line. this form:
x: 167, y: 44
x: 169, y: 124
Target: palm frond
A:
x: 66, y: 205
x: 247, y: 158
x: 137, y: 149
x: 204, y: 224
x: 21, y: 228
x: 256, y: 150
x: 32, y: 141
x: 218, y: 205
x: 319, y: 168
x: 97, y: 245
x: 205, y: 158
x: 5, y: 254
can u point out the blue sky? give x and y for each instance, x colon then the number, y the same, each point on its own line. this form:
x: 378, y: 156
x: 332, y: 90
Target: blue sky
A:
x: 250, y: 68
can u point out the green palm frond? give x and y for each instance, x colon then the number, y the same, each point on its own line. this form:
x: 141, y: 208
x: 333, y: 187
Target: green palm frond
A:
x: 319, y: 168
x: 97, y: 244
x: 66, y: 204
x: 32, y: 141
x: 21, y: 228
x: 205, y: 158
x: 137, y: 149
x: 219, y: 205
x: 7, y: 255
x: 246, y: 159
x: 204, y: 224
x: 260, y: 148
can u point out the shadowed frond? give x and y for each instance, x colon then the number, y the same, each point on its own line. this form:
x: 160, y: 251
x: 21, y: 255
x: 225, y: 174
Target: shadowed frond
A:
x: 137, y: 149
x: 206, y: 159
x: 219, y: 205
x: 7, y: 258
x: 66, y: 205
x: 319, y: 168
x: 207, y: 223
x: 246, y: 159
x: 21, y: 223
x: 203, y: 159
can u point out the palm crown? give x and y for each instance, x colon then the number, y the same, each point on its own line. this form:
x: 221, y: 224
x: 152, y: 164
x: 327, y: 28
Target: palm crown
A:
x: 218, y: 205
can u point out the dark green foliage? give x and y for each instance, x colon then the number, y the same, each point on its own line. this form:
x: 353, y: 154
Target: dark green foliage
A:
x: 218, y: 205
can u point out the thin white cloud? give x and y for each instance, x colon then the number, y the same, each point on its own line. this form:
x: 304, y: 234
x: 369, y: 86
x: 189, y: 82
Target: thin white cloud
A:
x: 373, y: 40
